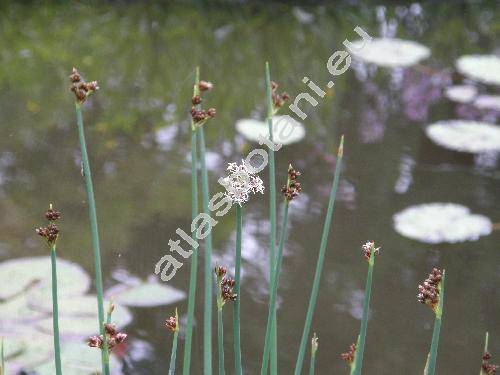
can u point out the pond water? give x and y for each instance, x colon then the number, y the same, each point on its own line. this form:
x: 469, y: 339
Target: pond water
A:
x: 138, y: 134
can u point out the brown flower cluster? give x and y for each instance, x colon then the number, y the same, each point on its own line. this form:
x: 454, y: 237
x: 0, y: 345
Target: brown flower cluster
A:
x: 367, y: 249
x: 292, y: 189
x: 199, y: 115
x: 226, y: 285
x: 278, y: 99
x: 80, y: 88
x: 171, y: 323
x: 486, y: 367
x: 51, y: 231
x: 428, y: 292
x: 112, y: 335
x: 350, y: 354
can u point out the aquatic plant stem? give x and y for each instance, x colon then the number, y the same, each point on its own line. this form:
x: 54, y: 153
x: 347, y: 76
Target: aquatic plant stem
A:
x: 360, y: 347
x: 55, y: 312
x: 321, y: 258
x: 237, y: 277
x: 272, y: 213
x: 431, y: 361
x: 194, y: 258
x: 486, y: 340
x: 2, y: 359
x: 273, y: 293
x: 314, y: 348
x: 220, y: 341
x: 207, y: 317
x: 95, y: 234
x: 173, y: 354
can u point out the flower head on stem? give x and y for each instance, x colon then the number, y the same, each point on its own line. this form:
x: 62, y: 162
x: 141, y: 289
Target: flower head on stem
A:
x: 486, y: 367
x: 241, y: 182
x: 80, y: 88
x: 350, y: 355
x: 314, y: 344
x: 278, y: 99
x: 428, y: 291
x: 172, y: 323
x: 198, y: 114
x: 225, y: 286
x: 367, y: 249
x: 292, y: 188
x: 113, y: 337
x: 51, y: 231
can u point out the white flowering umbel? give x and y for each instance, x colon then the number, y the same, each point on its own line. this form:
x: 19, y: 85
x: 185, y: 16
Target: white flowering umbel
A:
x: 241, y: 182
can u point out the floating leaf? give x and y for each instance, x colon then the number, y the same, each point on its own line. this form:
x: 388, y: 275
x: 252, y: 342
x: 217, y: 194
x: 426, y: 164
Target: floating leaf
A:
x: 79, y: 359
x: 16, y: 310
x: 482, y: 68
x: 29, y: 351
x: 461, y: 93
x: 465, y: 136
x: 390, y: 52
x: 488, y: 102
x: 440, y: 223
x: 35, y: 273
x: 147, y: 294
x: 286, y: 130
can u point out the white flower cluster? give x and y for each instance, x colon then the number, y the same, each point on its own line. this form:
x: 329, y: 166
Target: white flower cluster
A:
x: 241, y: 182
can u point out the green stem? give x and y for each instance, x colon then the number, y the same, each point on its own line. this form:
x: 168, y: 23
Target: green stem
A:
x: 236, y: 310
x: 2, y: 360
x: 220, y: 340
x: 311, y: 367
x: 55, y: 311
x: 95, y: 233
x: 274, y: 292
x: 360, y: 347
x: 272, y: 214
x: 194, y: 259
x: 486, y: 340
x: 171, y: 369
x: 319, y: 264
x: 207, y: 318
x: 431, y: 364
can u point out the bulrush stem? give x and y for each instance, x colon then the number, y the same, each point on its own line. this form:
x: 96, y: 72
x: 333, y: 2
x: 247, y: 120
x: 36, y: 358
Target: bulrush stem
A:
x: 360, y: 347
x: 55, y: 312
x: 272, y: 211
x: 236, y: 309
x: 207, y: 317
x: 194, y: 259
x: 173, y: 354
x: 274, y: 290
x: 95, y: 234
x: 321, y: 259
x: 431, y: 361
x: 220, y: 328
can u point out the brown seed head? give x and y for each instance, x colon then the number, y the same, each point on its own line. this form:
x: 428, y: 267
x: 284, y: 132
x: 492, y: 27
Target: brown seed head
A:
x: 292, y: 189
x: 205, y: 86
x: 350, y: 354
x: 171, y: 323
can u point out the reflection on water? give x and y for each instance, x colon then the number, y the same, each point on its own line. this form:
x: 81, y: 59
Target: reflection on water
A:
x: 137, y: 128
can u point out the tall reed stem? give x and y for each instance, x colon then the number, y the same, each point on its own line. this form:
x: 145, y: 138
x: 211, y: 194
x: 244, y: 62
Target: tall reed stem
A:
x: 314, y: 348
x: 321, y: 259
x: 272, y: 215
x: 95, y: 234
x: 207, y: 318
x: 55, y: 311
x: 220, y: 341
x: 431, y: 361
x: 236, y: 309
x: 274, y: 290
x: 173, y: 354
x: 360, y: 347
x: 194, y: 259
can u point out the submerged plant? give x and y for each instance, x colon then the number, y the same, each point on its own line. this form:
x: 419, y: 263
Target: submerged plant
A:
x: 51, y: 233
x: 196, y: 100
x: 290, y: 191
x: 82, y: 91
x: 225, y: 293
x: 486, y: 367
x: 431, y: 293
x: 321, y: 259
x: 172, y: 324
x: 369, y: 251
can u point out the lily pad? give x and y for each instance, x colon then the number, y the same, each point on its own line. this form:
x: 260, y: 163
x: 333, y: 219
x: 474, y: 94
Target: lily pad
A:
x: 30, y: 351
x: 390, y: 52
x: 481, y: 68
x: 488, y: 102
x: 461, y: 93
x: 251, y: 129
x: 465, y: 136
x: 147, y: 294
x: 441, y: 223
x: 83, y: 325
x: 16, y: 310
x: 78, y: 359
x: 35, y: 273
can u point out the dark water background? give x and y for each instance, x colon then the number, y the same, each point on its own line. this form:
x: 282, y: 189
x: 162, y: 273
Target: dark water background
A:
x: 144, y: 57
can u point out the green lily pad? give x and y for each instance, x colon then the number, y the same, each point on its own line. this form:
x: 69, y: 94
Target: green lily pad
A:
x: 35, y: 274
x: 30, y: 351
x: 148, y: 294
x: 84, y: 324
x: 252, y: 129
x: 78, y: 359
x: 16, y: 310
